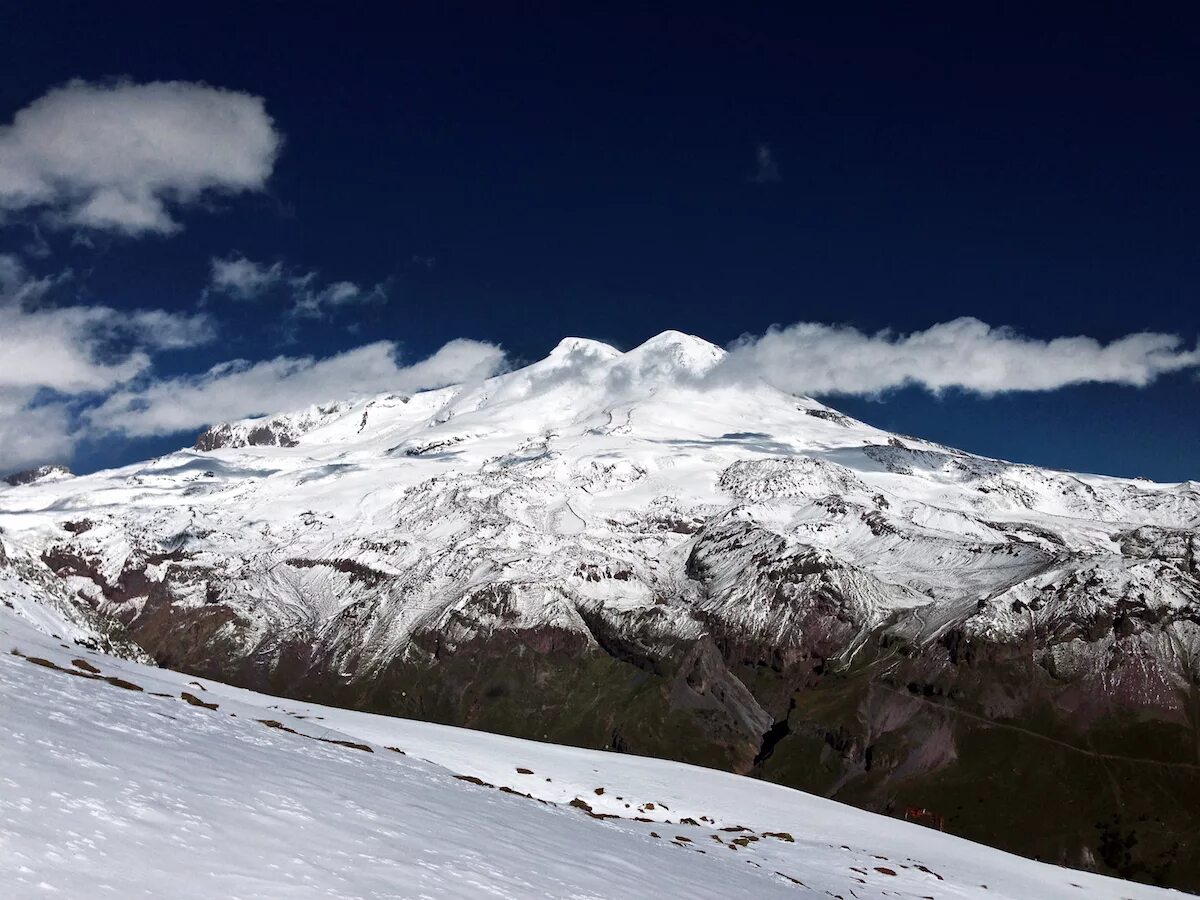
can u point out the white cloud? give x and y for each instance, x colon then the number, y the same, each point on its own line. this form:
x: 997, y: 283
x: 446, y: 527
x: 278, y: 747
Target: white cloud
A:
x: 238, y: 389
x: 965, y: 353
x: 71, y: 372
x: 316, y: 303
x: 61, y: 350
x: 119, y: 156
x: 244, y: 279
x: 158, y: 329
x: 32, y: 434
x: 79, y: 349
x: 55, y: 355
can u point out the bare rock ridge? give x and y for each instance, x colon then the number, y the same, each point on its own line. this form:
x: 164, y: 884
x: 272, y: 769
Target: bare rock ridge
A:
x: 39, y: 473
x: 618, y: 550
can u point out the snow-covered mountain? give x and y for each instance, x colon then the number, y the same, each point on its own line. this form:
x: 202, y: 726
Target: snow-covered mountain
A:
x: 636, y: 551
x: 129, y: 780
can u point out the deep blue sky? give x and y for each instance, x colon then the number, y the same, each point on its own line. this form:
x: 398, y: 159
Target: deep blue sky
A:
x: 588, y: 173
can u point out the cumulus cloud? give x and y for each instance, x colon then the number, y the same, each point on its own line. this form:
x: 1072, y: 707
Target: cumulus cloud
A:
x: 964, y: 354
x: 121, y: 156
x: 244, y: 279
x: 238, y: 389
x: 55, y: 355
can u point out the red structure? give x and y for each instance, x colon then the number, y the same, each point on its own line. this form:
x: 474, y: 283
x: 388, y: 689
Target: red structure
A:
x: 923, y: 816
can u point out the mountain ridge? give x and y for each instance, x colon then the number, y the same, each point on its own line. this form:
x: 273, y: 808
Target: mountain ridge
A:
x: 632, y: 551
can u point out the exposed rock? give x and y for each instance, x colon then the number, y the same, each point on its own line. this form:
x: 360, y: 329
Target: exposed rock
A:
x: 52, y: 472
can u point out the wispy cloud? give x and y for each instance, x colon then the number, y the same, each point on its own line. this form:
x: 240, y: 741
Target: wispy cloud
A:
x: 56, y: 356
x: 75, y: 372
x: 79, y: 349
x: 120, y: 156
x: 238, y: 389
x: 964, y: 354
x: 244, y: 279
x: 766, y: 168
x: 313, y: 302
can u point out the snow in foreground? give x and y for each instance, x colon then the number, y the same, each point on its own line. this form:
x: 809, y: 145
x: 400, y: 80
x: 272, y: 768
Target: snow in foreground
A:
x: 106, y: 790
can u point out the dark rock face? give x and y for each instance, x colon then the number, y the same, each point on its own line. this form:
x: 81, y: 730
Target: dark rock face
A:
x: 1178, y: 546
x: 1058, y: 719
x: 226, y: 436
x: 30, y: 476
x: 1010, y: 748
x: 276, y: 431
x: 1055, y: 713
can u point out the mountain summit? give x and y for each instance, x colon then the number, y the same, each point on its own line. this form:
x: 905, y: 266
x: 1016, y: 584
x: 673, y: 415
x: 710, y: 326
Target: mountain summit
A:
x: 623, y: 551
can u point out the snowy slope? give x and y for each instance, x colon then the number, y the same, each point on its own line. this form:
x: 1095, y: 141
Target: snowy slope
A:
x: 359, y: 524
x: 131, y: 787
x: 590, y: 460
x: 628, y: 550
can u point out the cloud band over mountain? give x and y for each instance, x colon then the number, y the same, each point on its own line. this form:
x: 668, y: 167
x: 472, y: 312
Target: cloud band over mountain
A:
x: 65, y: 382
x: 964, y: 354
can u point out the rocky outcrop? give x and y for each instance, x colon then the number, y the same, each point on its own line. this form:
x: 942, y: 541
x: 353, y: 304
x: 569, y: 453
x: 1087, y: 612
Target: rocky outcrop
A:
x: 275, y: 431
x: 53, y: 471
